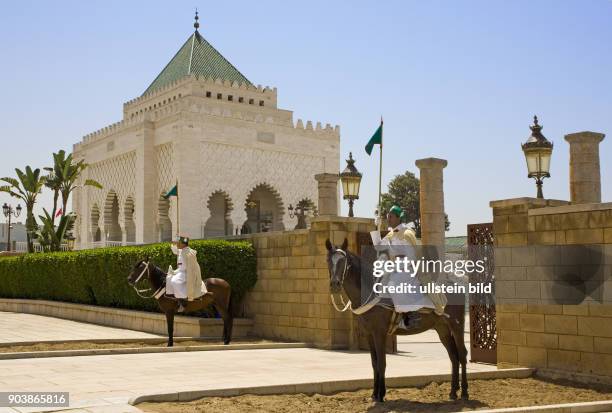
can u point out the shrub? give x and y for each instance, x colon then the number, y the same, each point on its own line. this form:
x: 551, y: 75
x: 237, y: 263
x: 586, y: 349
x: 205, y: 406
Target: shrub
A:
x: 99, y: 276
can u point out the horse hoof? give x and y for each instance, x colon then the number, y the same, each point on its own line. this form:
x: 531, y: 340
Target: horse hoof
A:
x: 465, y: 396
x: 170, y: 344
x: 452, y: 396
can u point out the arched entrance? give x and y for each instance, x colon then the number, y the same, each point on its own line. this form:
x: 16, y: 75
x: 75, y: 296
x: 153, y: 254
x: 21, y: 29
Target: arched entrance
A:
x: 128, y: 220
x: 111, y: 218
x: 219, y: 224
x: 264, y: 209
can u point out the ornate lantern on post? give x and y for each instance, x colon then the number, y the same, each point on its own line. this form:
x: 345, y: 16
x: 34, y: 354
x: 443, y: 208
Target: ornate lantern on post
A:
x: 538, y: 151
x: 351, y: 180
x: 9, y: 212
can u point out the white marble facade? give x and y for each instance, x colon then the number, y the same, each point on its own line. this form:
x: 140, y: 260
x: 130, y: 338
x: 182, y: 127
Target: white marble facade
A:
x: 237, y: 157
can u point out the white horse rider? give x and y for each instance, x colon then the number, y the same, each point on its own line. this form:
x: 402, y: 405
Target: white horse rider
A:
x: 184, y: 283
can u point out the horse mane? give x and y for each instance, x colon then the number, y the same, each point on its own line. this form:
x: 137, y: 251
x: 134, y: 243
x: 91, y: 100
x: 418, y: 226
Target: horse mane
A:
x: 355, y: 260
x: 157, y: 274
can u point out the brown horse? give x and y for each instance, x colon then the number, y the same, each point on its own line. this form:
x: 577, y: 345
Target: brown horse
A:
x: 345, y: 274
x: 218, y: 295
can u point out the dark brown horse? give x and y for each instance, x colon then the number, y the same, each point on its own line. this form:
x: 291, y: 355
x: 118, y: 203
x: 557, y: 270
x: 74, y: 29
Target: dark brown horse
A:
x: 345, y: 275
x: 218, y: 295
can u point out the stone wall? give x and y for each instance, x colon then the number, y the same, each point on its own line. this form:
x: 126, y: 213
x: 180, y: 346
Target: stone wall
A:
x: 291, y: 299
x: 553, y: 269
x: 148, y: 322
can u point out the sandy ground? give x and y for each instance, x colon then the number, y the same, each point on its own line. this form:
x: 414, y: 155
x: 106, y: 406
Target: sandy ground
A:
x: 87, y: 345
x: 484, y: 394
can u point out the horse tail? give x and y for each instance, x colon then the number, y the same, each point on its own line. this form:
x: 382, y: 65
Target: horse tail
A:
x: 228, y: 322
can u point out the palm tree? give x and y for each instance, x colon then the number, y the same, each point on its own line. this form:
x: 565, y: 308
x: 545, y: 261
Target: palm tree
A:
x: 71, y: 172
x: 54, y: 180
x: 26, y: 187
x: 62, y: 180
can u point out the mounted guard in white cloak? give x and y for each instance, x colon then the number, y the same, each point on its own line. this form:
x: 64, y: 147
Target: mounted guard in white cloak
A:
x: 185, y: 283
x: 402, y: 242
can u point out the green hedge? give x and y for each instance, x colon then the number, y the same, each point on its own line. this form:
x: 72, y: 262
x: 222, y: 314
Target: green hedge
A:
x: 99, y: 276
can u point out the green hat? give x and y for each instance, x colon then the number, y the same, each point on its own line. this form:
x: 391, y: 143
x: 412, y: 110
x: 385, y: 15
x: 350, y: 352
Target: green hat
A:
x: 182, y: 239
x: 397, y: 211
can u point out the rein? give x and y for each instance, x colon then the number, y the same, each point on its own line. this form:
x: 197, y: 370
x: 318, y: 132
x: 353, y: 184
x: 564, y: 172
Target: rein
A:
x: 359, y: 310
x: 144, y: 290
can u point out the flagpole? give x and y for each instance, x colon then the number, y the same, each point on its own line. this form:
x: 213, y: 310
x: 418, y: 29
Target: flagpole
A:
x: 380, y: 178
x: 178, y: 227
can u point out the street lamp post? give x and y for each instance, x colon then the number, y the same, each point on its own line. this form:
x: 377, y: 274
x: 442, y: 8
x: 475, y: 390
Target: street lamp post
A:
x: 9, y: 212
x: 538, y: 151
x: 351, y: 180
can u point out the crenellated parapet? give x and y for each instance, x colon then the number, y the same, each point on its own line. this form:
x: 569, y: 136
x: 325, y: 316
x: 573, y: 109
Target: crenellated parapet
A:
x: 329, y: 131
x: 222, y: 90
x: 212, y: 97
x: 110, y: 130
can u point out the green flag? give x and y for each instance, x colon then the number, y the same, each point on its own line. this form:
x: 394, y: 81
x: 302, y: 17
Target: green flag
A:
x: 172, y: 192
x: 376, y: 139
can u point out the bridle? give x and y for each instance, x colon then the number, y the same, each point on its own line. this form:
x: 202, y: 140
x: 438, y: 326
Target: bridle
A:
x: 359, y: 310
x: 140, y: 292
x: 344, y: 272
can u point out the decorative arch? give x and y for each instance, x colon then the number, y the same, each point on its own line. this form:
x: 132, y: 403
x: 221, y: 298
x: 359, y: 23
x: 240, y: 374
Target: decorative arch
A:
x: 128, y: 220
x: 220, y: 223
x: 111, y: 217
x: 264, y: 209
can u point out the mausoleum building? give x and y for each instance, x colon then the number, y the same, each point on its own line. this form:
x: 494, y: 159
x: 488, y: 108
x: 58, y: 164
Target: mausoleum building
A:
x: 238, y: 158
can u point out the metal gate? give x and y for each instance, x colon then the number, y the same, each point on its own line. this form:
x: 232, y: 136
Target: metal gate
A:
x: 483, y: 334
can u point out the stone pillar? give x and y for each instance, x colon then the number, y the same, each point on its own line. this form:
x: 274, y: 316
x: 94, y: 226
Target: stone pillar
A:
x: 145, y: 202
x: 432, y: 201
x: 188, y: 158
x: 585, y: 179
x: 328, y: 194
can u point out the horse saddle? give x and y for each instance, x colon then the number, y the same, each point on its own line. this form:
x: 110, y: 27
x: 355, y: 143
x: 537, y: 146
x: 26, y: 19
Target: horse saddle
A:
x: 162, y: 292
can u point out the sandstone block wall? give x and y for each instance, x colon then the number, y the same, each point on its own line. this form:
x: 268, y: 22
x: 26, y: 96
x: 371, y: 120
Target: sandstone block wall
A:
x: 553, y: 269
x: 291, y: 299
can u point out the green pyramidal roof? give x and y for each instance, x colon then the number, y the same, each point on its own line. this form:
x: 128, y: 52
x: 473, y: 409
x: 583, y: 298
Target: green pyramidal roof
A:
x: 197, y: 57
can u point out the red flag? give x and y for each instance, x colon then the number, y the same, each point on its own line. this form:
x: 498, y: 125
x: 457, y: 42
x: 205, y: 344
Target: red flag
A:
x: 59, y: 212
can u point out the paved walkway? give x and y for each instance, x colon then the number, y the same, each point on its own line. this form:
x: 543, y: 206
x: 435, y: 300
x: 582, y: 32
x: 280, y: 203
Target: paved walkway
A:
x: 114, y: 379
x: 105, y: 383
x: 20, y: 327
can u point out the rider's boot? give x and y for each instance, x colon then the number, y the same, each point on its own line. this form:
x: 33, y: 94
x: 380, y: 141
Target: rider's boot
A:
x: 182, y: 305
x: 409, y: 320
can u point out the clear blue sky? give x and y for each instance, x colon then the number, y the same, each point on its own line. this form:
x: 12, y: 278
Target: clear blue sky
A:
x: 459, y: 80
